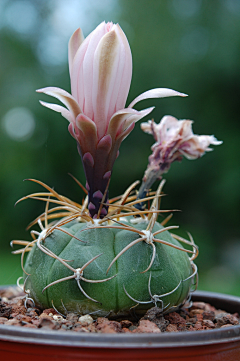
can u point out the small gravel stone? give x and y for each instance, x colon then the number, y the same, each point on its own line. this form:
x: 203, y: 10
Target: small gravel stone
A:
x: 208, y: 324
x: 175, y: 318
x: 3, y: 320
x: 85, y: 320
x: 198, y: 326
x: 146, y: 326
x: 29, y: 325
x: 13, y: 322
x: 58, y: 318
x: 208, y: 315
x: 5, y: 311
x: 32, y: 312
x: 106, y: 326
x: 47, y: 322
x: 126, y: 330
x: 227, y: 325
x: 126, y: 323
x: 50, y: 311
x: 171, y: 328
x: 155, y: 315
x: 45, y: 316
x: 199, y: 306
x: 72, y: 317
x: 225, y: 319
x: 4, y: 299
x: 195, y: 311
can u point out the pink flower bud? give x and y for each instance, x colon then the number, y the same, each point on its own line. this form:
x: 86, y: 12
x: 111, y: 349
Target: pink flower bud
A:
x: 100, y: 69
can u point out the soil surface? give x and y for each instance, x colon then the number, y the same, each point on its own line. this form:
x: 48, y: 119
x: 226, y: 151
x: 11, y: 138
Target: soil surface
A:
x: 15, y: 311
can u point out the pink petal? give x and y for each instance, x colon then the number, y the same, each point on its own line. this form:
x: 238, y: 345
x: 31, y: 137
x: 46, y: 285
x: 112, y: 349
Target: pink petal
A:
x: 87, y: 68
x: 123, y: 74
x: 117, y: 121
x: 98, y: 194
x: 107, y: 175
x: 137, y: 116
x: 126, y: 132
x: 86, y: 125
x: 66, y: 98
x: 91, y: 206
x: 105, y: 144
x: 105, y: 65
x: 88, y: 135
x: 123, y: 118
x: 73, y: 46
x: 156, y: 93
x: 88, y: 159
x: 127, y: 73
x: 71, y: 130
x: 77, y: 81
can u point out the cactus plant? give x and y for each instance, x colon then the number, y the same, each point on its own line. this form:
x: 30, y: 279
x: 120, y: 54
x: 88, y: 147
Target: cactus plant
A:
x: 110, y: 256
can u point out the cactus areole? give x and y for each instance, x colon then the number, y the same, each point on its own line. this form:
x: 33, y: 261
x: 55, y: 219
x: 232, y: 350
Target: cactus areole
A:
x: 110, y: 257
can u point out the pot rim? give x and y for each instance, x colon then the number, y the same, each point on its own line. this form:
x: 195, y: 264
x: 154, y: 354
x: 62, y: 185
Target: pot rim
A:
x: 153, y: 340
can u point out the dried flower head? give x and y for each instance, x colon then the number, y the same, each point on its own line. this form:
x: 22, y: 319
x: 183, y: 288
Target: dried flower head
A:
x: 174, y: 139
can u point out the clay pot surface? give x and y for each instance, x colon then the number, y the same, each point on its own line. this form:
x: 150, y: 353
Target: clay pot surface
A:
x: 222, y: 344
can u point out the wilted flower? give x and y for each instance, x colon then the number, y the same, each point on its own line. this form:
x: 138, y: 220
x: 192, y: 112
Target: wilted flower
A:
x: 174, y: 139
x: 100, y: 70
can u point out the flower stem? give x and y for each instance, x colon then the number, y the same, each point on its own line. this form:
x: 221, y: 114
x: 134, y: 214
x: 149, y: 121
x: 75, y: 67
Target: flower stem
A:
x: 150, y: 176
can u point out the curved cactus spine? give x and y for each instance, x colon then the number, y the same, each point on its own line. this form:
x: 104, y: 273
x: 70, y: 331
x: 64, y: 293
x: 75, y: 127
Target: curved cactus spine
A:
x: 78, y: 276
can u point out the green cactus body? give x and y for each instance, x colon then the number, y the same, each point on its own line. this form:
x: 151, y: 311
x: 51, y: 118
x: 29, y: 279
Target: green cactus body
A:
x: 170, y: 271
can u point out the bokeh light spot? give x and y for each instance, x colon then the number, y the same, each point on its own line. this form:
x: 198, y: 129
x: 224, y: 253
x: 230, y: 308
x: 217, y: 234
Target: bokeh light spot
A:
x: 21, y: 16
x: 19, y: 124
x: 51, y: 50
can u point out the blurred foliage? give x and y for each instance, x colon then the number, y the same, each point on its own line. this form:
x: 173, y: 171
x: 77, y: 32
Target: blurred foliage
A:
x: 192, y: 46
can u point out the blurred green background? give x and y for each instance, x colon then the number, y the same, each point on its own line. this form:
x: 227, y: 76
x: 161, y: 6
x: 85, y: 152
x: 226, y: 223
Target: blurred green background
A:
x: 192, y: 46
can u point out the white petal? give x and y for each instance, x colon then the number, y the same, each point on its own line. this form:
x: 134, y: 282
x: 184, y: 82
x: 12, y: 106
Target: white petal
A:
x: 156, y: 93
x: 147, y: 127
x: 168, y: 129
x: 214, y: 140
x: 66, y: 98
x: 139, y: 115
x: 206, y: 140
x: 58, y: 108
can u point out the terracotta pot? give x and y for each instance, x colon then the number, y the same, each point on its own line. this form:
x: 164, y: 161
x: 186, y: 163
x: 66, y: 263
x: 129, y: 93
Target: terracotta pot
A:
x: 223, y: 344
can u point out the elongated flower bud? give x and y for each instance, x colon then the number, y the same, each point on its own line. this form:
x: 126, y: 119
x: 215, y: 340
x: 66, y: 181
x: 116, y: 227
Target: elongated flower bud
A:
x: 100, y: 70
